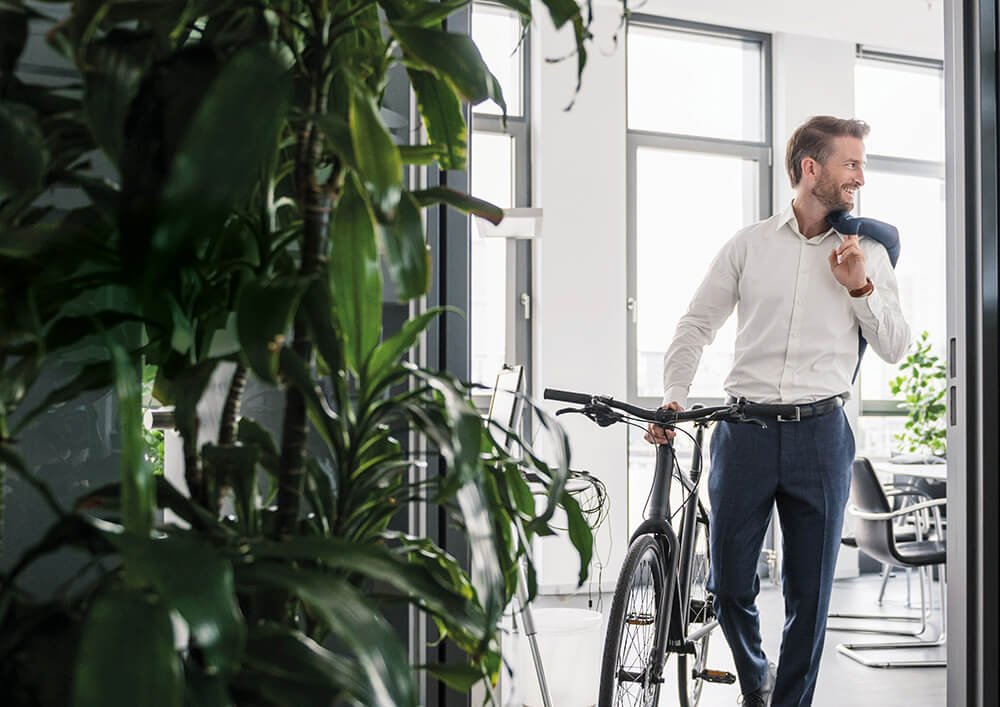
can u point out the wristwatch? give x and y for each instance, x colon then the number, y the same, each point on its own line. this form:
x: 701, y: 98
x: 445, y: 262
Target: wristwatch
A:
x: 864, y: 290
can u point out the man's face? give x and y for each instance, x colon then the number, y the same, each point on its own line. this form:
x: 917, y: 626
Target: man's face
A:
x: 841, y: 175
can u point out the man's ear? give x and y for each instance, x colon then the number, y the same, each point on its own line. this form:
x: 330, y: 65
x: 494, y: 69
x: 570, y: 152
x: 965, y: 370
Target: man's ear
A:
x: 810, y: 167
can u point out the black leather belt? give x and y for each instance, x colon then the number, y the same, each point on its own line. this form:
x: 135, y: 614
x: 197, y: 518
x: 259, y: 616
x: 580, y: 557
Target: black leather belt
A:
x: 794, y: 413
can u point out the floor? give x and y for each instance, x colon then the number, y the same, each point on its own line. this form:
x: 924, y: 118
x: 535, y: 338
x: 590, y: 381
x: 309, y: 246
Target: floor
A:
x: 841, y: 682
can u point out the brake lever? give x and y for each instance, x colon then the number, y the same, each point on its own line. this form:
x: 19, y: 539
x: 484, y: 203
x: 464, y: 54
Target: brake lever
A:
x: 753, y: 421
x: 601, y: 414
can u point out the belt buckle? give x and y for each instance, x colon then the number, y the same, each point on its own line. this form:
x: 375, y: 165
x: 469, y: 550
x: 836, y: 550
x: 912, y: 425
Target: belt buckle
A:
x: 797, y: 418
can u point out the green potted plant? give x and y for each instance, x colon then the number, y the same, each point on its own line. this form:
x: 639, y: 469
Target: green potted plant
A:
x: 235, y: 195
x: 921, y: 385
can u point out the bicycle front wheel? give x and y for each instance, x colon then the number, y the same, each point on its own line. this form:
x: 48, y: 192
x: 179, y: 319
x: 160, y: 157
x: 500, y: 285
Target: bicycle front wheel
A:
x: 700, y: 614
x: 629, y: 662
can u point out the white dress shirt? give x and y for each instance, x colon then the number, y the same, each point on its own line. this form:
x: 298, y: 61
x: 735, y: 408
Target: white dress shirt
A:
x: 797, y: 329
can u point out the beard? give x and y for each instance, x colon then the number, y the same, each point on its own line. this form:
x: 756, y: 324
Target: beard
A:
x: 832, y: 195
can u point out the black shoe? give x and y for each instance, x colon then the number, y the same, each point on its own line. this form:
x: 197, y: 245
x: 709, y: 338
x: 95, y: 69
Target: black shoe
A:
x: 761, y: 697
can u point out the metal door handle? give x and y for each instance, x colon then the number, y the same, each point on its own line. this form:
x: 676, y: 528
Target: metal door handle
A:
x: 633, y: 306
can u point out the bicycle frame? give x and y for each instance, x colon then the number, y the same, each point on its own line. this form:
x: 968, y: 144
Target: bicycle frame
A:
x: 679, y: 552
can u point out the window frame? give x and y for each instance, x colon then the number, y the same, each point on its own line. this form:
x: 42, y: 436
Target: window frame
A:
x: 761, y: 152
x: 519, y: 252
x: 907, y: 167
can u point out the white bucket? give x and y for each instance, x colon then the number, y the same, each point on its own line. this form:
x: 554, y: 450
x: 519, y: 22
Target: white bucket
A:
x: 570, y: 643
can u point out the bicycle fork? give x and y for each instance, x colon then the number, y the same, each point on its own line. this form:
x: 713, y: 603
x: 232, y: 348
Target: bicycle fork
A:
x: 658, y: 525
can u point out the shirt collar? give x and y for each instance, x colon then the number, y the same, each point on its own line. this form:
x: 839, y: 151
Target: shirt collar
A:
x: 788, y: 217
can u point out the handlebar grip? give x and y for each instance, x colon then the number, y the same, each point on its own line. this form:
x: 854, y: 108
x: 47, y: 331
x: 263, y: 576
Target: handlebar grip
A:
x: 567, y: 396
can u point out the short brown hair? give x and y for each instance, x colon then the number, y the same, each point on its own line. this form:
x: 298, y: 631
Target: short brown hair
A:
x: 814, y: 139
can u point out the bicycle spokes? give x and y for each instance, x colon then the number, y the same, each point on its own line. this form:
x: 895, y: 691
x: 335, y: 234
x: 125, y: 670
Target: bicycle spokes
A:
x: 635, y: 677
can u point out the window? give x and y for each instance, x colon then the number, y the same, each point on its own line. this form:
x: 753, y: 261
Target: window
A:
x: 902, y: 98
x: 499, y: 172
x: 699, y: 170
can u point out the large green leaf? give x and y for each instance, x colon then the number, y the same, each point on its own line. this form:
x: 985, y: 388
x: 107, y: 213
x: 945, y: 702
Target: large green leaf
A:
x: 323, y: 418
x: 406, y: 249
x: 338, y: 134
x: 138, y: 492
x: 449, y: 601
x: 321, y: 492
x: 378, y: 163
x: 419, y: 154
x: 478, y: 516
x: 386, y: 356
x: 126, y: 655
x: 355, y: 623
x: 113, y: 70
x: 355, y: 275
x: 22, y: 145
x: 236, y: 466
x: 462, y: 202
x: 421, y: 13
x: 91, y: 377
x: 197, y: 582
x: 219, y: 158
x: 442, y: 113
x: 562, y: 11
x: 251, y: 432
x: 454, y: 57
x: 289, y: 656
x: 264, y: 317
x: 69, y: 330
x: 317, y: 304
x: 580, y: 534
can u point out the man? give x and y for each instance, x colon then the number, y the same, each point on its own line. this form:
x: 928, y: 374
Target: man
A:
x: 801, y: 291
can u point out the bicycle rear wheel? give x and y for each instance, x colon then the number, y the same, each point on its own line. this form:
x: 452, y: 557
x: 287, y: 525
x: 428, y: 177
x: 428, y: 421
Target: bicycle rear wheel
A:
x: 628, y: 647
x: 700, y: 612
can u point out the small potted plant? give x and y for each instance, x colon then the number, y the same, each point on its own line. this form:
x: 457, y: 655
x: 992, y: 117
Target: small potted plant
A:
x: 921, y: 387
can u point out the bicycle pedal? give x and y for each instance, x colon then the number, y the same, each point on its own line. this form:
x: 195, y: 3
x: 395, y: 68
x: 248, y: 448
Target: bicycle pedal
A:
x: 717, y: 676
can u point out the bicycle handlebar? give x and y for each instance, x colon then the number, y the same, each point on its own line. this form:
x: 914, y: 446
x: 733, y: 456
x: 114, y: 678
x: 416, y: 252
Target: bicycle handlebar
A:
x: 661, y: 415
x: 739, y: 410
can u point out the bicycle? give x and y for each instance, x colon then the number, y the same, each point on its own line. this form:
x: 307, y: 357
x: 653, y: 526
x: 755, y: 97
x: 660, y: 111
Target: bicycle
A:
x: 662, y: 603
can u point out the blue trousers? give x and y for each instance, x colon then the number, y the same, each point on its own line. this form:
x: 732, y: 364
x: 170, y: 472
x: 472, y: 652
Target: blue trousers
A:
x: 805, y: 468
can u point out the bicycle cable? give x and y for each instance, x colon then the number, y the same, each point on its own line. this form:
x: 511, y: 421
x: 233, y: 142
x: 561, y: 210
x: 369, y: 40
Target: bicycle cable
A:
x: 675, y: 472
x: 677, y: 469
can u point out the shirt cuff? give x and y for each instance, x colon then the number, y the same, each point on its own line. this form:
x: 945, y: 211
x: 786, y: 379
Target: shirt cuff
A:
x: 869, y: 308
x: 675, y: 394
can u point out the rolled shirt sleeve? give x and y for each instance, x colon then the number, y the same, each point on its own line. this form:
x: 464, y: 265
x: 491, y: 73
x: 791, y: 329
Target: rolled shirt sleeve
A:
x: 711, y: 306
x: 879, y: 314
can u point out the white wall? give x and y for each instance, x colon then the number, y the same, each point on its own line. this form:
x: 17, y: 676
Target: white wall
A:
x: 579, y: 180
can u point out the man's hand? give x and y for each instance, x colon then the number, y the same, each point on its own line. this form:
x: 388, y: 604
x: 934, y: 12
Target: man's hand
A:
x: 656, y: 434
x: 847, y: 263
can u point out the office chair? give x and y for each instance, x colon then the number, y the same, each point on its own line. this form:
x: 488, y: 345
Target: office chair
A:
x: 875, y: 532
x: 904, y: 532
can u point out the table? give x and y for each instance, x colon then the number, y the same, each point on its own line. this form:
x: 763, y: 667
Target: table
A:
x: 937, y: 472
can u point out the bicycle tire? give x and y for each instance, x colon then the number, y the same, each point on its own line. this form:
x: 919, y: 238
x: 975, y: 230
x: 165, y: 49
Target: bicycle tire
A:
x: 700, y: 611
x: 636, y: 622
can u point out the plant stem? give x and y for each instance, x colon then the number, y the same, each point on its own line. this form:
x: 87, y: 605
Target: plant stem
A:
x: 316, y: 204
x: 231, y: 410
x: 193, y: 474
